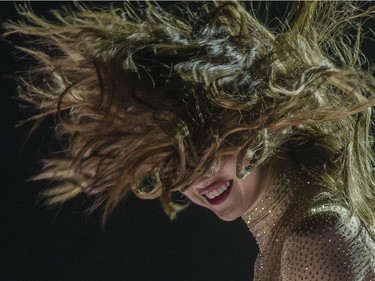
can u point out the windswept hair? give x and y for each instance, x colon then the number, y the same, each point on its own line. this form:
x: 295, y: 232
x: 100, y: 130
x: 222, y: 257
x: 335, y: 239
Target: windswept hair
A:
x: 150, y: 99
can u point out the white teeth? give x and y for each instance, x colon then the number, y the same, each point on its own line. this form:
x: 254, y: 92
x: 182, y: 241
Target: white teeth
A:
x: 218, y: 191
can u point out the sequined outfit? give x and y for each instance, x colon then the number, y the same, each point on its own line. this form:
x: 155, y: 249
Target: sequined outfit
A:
x: 303, y: 238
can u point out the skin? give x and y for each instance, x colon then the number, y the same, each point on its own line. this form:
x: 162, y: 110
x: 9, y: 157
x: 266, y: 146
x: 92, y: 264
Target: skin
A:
x: 243, y: 195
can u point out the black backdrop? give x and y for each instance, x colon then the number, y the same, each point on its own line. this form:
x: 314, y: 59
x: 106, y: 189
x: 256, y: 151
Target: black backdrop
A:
x: 64, y: 243
x: 138, y: 242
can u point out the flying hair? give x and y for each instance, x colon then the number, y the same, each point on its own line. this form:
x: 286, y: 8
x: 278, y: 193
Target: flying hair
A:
x: 149, y: 99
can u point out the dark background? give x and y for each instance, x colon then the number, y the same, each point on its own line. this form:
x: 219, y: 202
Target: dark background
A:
x: 65, y: 243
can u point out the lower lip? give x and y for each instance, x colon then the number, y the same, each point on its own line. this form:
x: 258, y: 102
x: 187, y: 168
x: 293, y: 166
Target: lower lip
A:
x: 221, y: 198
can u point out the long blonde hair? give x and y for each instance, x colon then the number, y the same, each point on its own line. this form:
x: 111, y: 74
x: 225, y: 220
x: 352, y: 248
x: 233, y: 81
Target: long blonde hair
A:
x: 146, y: 100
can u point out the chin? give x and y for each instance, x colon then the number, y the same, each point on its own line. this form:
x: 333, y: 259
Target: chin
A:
x: 228, y: 217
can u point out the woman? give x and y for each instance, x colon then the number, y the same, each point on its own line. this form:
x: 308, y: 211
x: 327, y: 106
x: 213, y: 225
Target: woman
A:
x: 273, y: 126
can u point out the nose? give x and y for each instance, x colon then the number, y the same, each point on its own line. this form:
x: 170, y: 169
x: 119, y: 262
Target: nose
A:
x: 199, y: 183
x: 196, y: 184
x: 206, y: 178
x: 204, y: 182
x: 213, y: 170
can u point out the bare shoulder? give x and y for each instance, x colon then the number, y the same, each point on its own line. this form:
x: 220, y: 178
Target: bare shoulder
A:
x: 328, y: 244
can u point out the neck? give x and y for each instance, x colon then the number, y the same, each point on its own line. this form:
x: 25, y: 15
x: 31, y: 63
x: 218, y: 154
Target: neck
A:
x: 288, y: 197
x: 263, y: 219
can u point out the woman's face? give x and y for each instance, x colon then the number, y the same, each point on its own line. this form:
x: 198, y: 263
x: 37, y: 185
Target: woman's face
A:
x: 226, y: 195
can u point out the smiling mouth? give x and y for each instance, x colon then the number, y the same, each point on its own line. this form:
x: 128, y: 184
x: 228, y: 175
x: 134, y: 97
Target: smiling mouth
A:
x: 218, y: 193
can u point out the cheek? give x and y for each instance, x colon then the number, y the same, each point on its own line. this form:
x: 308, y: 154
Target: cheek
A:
x: 193, y: 197
x: 190, y: 194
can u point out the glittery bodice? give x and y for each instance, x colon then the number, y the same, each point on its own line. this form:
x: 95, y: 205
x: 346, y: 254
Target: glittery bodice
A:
x: 302, y: 235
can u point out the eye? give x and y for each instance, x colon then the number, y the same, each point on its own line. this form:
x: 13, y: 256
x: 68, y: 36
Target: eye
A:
x: 148, y: 183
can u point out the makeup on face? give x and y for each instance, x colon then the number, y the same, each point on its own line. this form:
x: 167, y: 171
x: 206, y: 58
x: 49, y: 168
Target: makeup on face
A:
x: 216, y: 193
x: 228, y: 196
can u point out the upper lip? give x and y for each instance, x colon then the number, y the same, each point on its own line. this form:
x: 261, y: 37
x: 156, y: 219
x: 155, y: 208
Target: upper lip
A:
x: 212, y: 187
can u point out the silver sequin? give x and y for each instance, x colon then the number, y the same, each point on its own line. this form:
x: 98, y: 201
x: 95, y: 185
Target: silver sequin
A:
x: 299, y: 239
